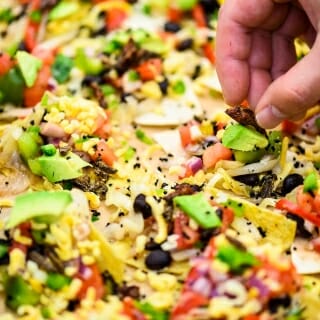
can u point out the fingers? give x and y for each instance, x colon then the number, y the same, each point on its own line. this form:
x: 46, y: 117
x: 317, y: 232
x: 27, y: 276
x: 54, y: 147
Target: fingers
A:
x: 293, y: 93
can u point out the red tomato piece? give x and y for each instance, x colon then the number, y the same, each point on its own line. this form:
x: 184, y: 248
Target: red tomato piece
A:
x: 187, y: 236
x: 34, y: 94
x: 215, y: 153
x: 150, y: 69
x: 185, y: 135
x: 6, y: 63
x: 174, y: 14
x: 199, y: 16
x: 289, y: 127
x: 94, y: 280
x: 104, y: 153
x: 208, y: 51
x: 115, y: 18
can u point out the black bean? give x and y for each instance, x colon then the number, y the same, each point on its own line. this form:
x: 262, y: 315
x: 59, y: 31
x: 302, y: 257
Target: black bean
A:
x: 185, y: 44
x: 140, y: 205
x: 209, y: 5
x: 290, y: 182
x: 163, y: 85
x: 251, y: 180
x: 172, y: 27
x: 275, y: 303
x: 158, y: 259
x: 151, y: 245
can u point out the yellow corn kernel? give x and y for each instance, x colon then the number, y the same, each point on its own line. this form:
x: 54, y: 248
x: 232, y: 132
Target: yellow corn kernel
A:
x: 151, y: 90
x: 162, y: 282
x: 17, y: 261
x: 140, y: 276
x: 88, y: 260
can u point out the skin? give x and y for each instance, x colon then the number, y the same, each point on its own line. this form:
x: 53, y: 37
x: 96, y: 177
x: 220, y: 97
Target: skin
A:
x: 256, y: 60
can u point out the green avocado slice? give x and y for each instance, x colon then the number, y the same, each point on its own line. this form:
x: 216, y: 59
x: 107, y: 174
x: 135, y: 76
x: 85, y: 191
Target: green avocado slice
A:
x: 239, y: 137
x: 43, y: 206
x: 57, y: 168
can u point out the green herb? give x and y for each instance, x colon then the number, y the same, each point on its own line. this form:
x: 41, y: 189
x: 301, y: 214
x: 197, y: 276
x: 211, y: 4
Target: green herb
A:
x: 143, y: 137
x: 56, y: 281
x: 310, y: 182
x: 39, y: 236
x: 46, y: 312
x: 4, y: 248
x: 29, y: 67
x: 146, y: 9
x: 63, y: 9
x: 61, y: 68
x: 6, y: 15
x: 44, y: 100
x: 111, y: 47
x: 35, y: 16
x: 49, y: 149
x: 198, y: 208
x: 129, y: 153
x: 107, y: 89
x: 237, y: 260
x: 95, y: 216
x: 18, y: 293
x: 179, y: 87
x: 90, y: 65
x: 154, y: 314
x: 275, y: 142
x: 157, y: 46
x: 133, y: 75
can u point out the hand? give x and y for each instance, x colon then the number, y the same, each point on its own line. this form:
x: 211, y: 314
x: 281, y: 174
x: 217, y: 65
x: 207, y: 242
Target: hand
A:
x: 256, y: 59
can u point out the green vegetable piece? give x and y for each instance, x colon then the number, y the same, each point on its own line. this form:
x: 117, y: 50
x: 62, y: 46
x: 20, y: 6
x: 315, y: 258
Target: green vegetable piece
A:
x: 129, y: 154
x: 248, y: 156
x: 11, y: 87
x: 29, y: 67
x: 43, y: 206
x: 6, y: 15
x: 111, y: 47
x: 49, y: 149
x: 61, y: 68
x: 56, y: 281
x: 4, y: 248
x: 179, y: 87
x: 198, y: 208
x: 186, y: 4
x: 63, y: 9
x: 239, y: 137
x: 146, y: 9
x: 133, y: 75
x: 57, y: 168
x: 46, y: 312
x: 237, y: 260
x: 28, y: 146
x: 154, y: 314
x: 237, y: 207
x: 39, y: 236
x: 107, y: 89
x: 140, y: 36
x: 121, y: 37
x: 90, y: 65
x: 35, y: 16
x: 155, y: 45
x: 19, y: 293
x: 310, y: 182
x: 275, y: 142
x: 143, y: 137
x: 317, y: 122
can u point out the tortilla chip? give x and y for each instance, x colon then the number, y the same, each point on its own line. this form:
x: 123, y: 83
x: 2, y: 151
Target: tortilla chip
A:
x: 274, y: 227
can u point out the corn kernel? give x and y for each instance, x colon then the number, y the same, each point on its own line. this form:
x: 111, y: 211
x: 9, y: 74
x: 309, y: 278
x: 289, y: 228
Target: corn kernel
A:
x: 151, y: 90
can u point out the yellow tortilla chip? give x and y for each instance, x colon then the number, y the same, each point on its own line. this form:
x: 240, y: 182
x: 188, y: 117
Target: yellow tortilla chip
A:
x: 276, y: 228
x: 309, y: 297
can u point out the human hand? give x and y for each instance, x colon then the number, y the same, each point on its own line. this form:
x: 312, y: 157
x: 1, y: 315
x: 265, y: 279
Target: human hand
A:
x: 256, y: 59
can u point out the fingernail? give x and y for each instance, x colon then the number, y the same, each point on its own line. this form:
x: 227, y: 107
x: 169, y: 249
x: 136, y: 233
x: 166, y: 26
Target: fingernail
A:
x: 270, y: 117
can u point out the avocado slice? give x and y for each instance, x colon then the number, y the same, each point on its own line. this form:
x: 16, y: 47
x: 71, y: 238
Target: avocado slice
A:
x: 239, y: 137
x: 43, y: 206
x: 57, y: 168
x: 248, y: 156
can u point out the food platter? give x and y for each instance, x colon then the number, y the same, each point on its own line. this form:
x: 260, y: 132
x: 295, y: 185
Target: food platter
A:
x: 128, y: 189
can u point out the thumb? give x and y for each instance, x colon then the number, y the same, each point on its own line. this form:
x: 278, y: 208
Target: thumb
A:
x: 290, y: 95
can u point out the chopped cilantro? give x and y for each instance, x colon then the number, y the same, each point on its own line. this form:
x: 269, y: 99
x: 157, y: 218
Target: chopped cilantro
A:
x: 107, y: 89
x: 6, y: 15
x: 61, y: 68
x: 179, y: 87
x: 35, y: 16
x: 310, y: 182
x: 143, y: 137
x: 129, y: 153
x: 149, y: 310
x: 133, y: 75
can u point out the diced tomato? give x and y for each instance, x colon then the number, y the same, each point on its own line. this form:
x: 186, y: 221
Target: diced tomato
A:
x: 304, y: 200
x: 6, y: 63
x: 103, y: 127
x: 131, y: 311
x: 285, y: 204
x: 252, y: 317
x: 227, y: 218
x: 188, y: 301
x: 31, y: 33
x: 208, y: 51
x: 18, y: 245
x: 187, y: 236
x: 245, y: 104
x: 174, y: 14
x: 104, y: 153
x: 289, y: 127
x: 25, y: 231
x: 115, y: 18
x: 215, y: 153
x: 34, y: 94
x: 45, y: 55
x: 92, y: 278
x: 185, y: 135
x: 316, y: 244
x: 150, y: 69
x: 199, y: 16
